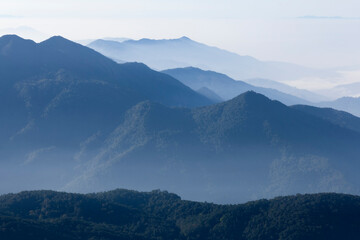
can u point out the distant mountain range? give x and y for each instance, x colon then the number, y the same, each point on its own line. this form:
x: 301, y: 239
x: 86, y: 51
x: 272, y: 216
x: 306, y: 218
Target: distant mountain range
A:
x: 348, y: 104
x: 352, y: 89
x: 88, y: 41
x: 75, y: 120
x: 226, y: 87
x: 343, y: 90
x: 130, y: 215
x: 184, y: 52
x: 300, y: 93
x: 340, y: 118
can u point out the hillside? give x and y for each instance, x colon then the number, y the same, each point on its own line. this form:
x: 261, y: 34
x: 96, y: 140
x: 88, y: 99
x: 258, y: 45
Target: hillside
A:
x: 210, y: 94
x: 123, y: 214
x: 341, y: 118
x: 241, y: 149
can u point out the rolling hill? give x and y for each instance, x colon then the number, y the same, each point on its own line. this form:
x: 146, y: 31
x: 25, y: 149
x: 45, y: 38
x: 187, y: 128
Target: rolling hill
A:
x: 124, y: 214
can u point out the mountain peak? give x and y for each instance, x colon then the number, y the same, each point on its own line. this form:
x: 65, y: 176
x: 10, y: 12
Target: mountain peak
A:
x: 10, y: 37
x: 190, y: 68
x: 57, y: 38
x: 157, y: 41
x: 97, y: 41
x: 252, y: 101
x: 58, y: 41
x: 184, y: 38
x: 250, y: 95
x: 13, y: 38
x: 13, y: 43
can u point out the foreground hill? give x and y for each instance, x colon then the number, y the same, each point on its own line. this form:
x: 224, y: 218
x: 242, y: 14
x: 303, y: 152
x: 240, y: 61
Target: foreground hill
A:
x: 184, y: 52
x: 123, y: 214
x: 226, y: 87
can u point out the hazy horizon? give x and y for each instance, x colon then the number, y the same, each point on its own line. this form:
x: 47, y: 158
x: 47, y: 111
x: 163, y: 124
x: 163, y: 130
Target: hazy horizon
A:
x: 317, y: 34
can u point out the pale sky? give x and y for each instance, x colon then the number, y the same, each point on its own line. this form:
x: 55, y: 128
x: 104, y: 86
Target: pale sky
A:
x: 265, y: 29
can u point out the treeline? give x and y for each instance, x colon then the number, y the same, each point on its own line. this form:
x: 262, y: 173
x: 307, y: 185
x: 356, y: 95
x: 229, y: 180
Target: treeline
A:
x: 124, y: 214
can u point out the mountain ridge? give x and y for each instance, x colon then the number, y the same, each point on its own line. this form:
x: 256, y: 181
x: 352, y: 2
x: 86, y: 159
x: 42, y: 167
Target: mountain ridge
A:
x: 226, y: 87
x: 348, y: 104
x: 76, y: 120
x: 340, y: 118
x: 175, y: 53
x: 58, y: 53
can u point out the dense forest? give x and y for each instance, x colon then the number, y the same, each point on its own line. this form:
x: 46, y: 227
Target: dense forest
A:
x: 124, y: 214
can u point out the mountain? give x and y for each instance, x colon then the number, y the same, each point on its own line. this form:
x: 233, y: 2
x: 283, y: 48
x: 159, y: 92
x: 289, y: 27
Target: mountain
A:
x: 124, y: 214
x: 57, y: 55
x: 88, y: 41
x: 225, y: 86
x: 184, y: 52
x: 340, y: 118
x: 351, y: 90
x: 58, y: 97
x: 348, y: 104
x: 300, y: 93
x: 75, y: 120
x: 245, y: 148
x: 58, y: 84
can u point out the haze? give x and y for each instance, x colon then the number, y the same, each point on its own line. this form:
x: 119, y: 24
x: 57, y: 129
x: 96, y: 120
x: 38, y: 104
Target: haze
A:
x: 327, y: 36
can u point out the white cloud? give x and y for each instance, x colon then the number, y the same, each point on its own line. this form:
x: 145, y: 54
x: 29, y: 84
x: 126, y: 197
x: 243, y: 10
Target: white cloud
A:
x: 8, y: 16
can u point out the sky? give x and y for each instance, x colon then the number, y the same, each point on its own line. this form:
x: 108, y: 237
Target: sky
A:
x: 315, y: 33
